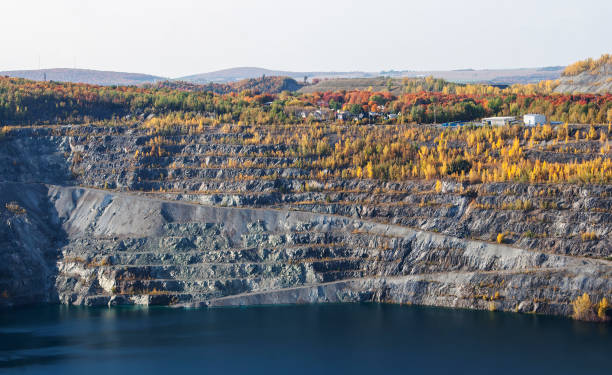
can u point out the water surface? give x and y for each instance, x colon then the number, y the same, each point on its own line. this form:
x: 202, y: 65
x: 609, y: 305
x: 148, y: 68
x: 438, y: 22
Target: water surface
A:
x: 307, y: 339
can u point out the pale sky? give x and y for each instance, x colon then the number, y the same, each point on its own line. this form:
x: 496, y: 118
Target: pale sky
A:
x: 180, y: 37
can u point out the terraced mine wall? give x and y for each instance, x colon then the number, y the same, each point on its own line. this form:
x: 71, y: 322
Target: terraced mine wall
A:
x: 84, y: 222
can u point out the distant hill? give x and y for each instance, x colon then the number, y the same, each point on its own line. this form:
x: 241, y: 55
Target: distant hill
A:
x: 96, y: 77
x: 491, y: 76
x: 268, y: 84
x: 236, y: 74
x: 392, y: 85
x: 587, y: 76
x: 494, y: 76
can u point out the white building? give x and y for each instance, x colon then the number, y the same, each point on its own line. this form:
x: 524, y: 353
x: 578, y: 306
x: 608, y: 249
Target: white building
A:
x: 533, y: 119
x: 343, y: 115
x: 499, y: 121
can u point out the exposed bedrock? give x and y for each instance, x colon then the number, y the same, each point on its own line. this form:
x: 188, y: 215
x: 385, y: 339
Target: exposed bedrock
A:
x: 30, y: 236
x: 204, y: 234
x: 128, y: 249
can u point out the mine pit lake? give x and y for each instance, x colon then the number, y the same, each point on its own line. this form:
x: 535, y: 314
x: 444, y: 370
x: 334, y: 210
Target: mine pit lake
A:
x: 303, y: 339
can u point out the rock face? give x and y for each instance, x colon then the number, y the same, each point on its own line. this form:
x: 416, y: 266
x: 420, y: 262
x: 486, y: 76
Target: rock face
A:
x: 599, y: 82
x: 251, y: 242
x: 30, y: 235
x: 126, y: 249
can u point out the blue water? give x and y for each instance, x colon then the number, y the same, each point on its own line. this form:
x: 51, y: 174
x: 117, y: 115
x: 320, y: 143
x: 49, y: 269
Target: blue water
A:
x: 312, y: 339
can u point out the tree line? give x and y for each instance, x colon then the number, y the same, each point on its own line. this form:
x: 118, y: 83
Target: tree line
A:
x: 31, y: 102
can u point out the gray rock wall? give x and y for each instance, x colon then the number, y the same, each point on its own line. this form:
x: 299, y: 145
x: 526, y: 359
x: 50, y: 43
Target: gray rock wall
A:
x: 599, y: 82
x: 211, y: 239
x: 187, y: 254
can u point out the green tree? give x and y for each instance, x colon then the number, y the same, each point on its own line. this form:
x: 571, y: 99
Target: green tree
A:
x: 355, y: 109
